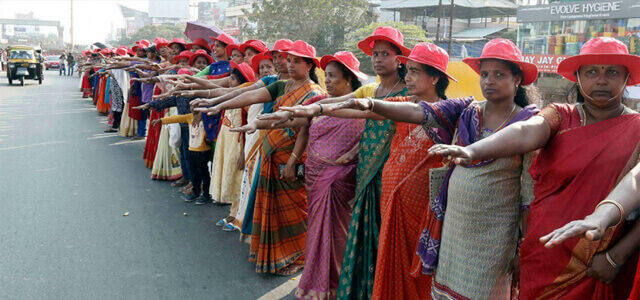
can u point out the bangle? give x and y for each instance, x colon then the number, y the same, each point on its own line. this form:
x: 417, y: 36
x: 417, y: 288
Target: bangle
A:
x: 209, y: 94
x: 320, y: 113
x: 611, y: 262
x: 294, y: 156
x: 618, y: 205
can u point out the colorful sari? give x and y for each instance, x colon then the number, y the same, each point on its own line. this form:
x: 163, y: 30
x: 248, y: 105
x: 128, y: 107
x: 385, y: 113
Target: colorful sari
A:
x: 85, y: 87
x: 102, y: 103
x: 332, y: 158
x: 280, y: 213
x: 403, y: 206
x: 153, y: 134
x: 252, y: 144
x: 166, y: 164
x: 225, y: 176
x: 358, y: 267
x: 576, y: 170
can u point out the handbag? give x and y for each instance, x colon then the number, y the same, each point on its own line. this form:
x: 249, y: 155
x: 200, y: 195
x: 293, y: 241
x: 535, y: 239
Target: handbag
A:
x: 299, y: 170
x: 438, y: 175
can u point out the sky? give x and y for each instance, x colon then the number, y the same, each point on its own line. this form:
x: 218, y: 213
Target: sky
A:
x: 93, y: 19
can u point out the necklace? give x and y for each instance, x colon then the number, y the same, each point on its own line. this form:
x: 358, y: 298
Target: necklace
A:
x: 505, y: 120
x: 584, y: 114
x: 390, y: 91
x: 290, y: 88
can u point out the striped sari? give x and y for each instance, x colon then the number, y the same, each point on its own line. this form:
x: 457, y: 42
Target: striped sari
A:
x: 280, y: 213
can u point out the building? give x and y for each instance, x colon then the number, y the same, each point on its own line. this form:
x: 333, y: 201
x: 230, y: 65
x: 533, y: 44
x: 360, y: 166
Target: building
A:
x: 550, y: 32
x: 133, y: 20
x: 235, y: 17
x: 25, y: 29
x: 168, y: 11
x: 212, y: 12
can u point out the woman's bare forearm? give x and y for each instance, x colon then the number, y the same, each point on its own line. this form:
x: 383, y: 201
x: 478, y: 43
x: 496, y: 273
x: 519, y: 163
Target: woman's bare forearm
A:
x: 337, y: 99
x: 407, y: 112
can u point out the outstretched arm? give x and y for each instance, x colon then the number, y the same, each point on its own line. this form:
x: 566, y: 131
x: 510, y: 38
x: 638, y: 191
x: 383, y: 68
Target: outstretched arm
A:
x: 260, y: 95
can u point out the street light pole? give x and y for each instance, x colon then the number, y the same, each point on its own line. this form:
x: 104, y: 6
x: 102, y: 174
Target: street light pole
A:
x: 451, y: 28
x: 71, y: 28
x: 439, y: 17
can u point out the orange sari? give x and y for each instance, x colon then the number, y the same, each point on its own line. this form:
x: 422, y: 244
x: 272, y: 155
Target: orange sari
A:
x: 280, y: 213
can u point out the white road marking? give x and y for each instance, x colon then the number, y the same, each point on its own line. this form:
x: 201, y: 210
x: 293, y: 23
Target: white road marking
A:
x: 128, y: 142
x: 283, y: 290
x: 33, y: 145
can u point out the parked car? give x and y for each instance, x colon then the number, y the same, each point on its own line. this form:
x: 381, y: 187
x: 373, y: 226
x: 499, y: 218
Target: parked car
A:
x: 52, y: 62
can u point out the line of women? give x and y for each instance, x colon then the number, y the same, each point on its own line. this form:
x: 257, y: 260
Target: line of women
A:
x: 392, y: 190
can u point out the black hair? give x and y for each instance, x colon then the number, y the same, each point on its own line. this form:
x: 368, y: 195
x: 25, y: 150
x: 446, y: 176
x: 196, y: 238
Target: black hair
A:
x: 312, y: 72
x: 443, y: 80
x: 348, y: 75
x: 238, y: 76
x: 151, y: 49
x: 524, y: 95
x: 402, y: 70
x: 182, y: 47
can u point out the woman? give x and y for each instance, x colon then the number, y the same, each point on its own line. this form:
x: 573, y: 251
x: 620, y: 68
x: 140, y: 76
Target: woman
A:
x: 252, y: 48
x: 406, y: 177
x: 228, y: 159
x: 148, y: 90
x: 234, y: 54
x: 199, y: 44
x: 221, y: 45
x: 280, y: 216
x: 358, y: 268
x: 598, y: 135
x: 330, y: 178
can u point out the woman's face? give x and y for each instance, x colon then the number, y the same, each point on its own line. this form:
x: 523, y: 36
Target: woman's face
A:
x: 152, y: 55
x: 219, y: 49
x: 184, y: 62
x: 602, y: 83
x: 195, y: 48
x: 298, y: 68
x: 237, y: 56
x: 165, y: 52
x: 280, y: 62
x: 266, y: 68
x: 141, y: 53
x: 418, y: 81
x: 175, y: 49
x: 337, y: 85
x: 496, y: 80
x: 249, y: 53
x: 384, y: 58
x: 233, y: 81
x: 200, y: 62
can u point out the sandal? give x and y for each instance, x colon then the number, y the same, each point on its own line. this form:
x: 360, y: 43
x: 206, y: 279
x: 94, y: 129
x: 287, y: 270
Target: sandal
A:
x: 222, y: 222
x: 229, y: 227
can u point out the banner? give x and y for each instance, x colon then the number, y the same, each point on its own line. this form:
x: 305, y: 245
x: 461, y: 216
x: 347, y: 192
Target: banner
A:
x: 581, y: 10
x: 545, y: 63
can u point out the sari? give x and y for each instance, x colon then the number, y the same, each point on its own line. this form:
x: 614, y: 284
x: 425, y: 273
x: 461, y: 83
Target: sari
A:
x: 565, y: 190
x: 332, y: 158
x: 166, y: 164
x: 251, y: 157
x: 85, y: 87
x: 403, y: 206
x: 358, y: 266
x: 101, y: 102
x: 280, y: 212
x: 153, y: 134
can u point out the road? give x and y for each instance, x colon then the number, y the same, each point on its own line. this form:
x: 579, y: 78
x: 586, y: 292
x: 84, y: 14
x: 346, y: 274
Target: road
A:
x: 64, y: 186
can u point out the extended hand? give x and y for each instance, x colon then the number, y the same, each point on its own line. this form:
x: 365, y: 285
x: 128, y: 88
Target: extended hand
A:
x: 359, y: 104
x: 143, y: 106
x: 278, y: 117
x: 459, y: 155
x: 249, y: 128
x: 302, y: 111
x: 155, y: 122
x: 589, y: 228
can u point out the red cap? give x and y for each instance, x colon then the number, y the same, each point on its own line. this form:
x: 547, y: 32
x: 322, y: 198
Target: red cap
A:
x: 430, y: 55
x: 105, y: 51
x: 258, y: 45
x: 200, y: 53
x: 255, y: 61
x: 183, y: 55
x: 178, y: 41
x: 232, y: 47
x: 160, y: 42
x: 602, y: 51
x: 245, y: 69
x: 225, y: 38
x: 302, y: 49
x: 387, y: 34
x: 138, y: 45
x: 346, y: 59
x: 504, y: 49
x: 96, y: 50
x: 144, y: 42
x: 122, y: 51
x: 185, y: 71
x: 85, y: 52
x: 199, y: 42
x: 281, y: 45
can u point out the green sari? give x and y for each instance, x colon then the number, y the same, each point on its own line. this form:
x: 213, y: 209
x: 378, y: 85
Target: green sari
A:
x: 358, y: 266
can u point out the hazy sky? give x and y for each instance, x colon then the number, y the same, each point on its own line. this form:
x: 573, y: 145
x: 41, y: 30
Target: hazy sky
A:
x: 93, y: 19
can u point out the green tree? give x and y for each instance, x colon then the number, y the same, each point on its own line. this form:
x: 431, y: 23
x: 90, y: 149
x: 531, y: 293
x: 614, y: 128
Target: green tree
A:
x: 150, y: 32
x: 322, y: 23
x: 412, y: 35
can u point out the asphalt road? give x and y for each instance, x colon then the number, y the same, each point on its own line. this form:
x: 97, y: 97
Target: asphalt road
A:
x: 64, y: 186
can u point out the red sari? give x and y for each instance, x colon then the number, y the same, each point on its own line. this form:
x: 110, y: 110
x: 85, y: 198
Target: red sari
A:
x: 86, y: 87
x: 576, y: 170
x: 153, y: 135
x: 102, y: 105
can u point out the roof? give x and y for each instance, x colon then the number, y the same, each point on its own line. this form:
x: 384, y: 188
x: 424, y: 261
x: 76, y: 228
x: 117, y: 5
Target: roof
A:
x: 477, y: 33
x: 464, y: 8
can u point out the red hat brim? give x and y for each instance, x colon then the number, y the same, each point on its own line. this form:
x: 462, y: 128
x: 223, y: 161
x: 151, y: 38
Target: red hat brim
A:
x: 190, y: 45
x: 248, y: 77
x: 366, y: 46
x: 230, y: 49
x: 193, y: 58
x: 258, y: 58
x: 403, y: 59
x: 329, y: 58
x: 529, y: 70
x: 315, y: 59
x: 568, y: 67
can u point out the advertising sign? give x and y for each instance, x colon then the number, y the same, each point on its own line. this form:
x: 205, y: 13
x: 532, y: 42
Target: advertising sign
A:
x: 581, y: 10
x: 545, y: 63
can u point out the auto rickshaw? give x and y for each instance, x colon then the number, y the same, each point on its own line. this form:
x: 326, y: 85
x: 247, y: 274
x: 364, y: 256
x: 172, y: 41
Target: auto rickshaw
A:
x: 24, y: 62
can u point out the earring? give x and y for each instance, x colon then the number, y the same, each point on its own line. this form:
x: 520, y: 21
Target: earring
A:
x: 434, y: 83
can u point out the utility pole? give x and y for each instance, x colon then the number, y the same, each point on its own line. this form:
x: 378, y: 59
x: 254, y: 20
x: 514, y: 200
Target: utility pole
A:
x: 439, y: 17
x: 451, y: 27
x: 71, y: 28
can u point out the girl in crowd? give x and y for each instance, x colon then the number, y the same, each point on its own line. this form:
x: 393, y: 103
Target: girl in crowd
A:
x: 280, y: 215
x: 199, y: 44
x: 598, y: 135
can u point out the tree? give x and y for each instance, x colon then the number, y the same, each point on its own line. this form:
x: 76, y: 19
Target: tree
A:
x: 150, y: 32
x: 412, y: 35
x: 322, y: 23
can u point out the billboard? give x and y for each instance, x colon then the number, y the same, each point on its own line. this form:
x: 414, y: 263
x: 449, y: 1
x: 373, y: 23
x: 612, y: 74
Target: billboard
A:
x: 581, y: 10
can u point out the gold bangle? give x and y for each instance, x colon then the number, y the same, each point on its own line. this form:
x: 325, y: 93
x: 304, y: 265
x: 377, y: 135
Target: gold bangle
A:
x: 618, y: 205
x: 294, y: 156
x: 372, y: 103
x: 209, y: 94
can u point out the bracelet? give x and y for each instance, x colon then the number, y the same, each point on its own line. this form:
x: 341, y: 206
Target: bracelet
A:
x: 209, y: 94
x: 372, y: 103
x: 294, y: 156
x: 320, y: 113
x: 618, y: 205
x: 611, y: 262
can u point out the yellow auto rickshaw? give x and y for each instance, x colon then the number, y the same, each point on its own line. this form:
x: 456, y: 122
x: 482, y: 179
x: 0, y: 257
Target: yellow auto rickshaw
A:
x: 24, y: 62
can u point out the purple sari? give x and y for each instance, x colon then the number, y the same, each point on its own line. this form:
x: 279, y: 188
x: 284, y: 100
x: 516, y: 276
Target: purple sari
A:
x: 469, y: 131
x: 332, y: 158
